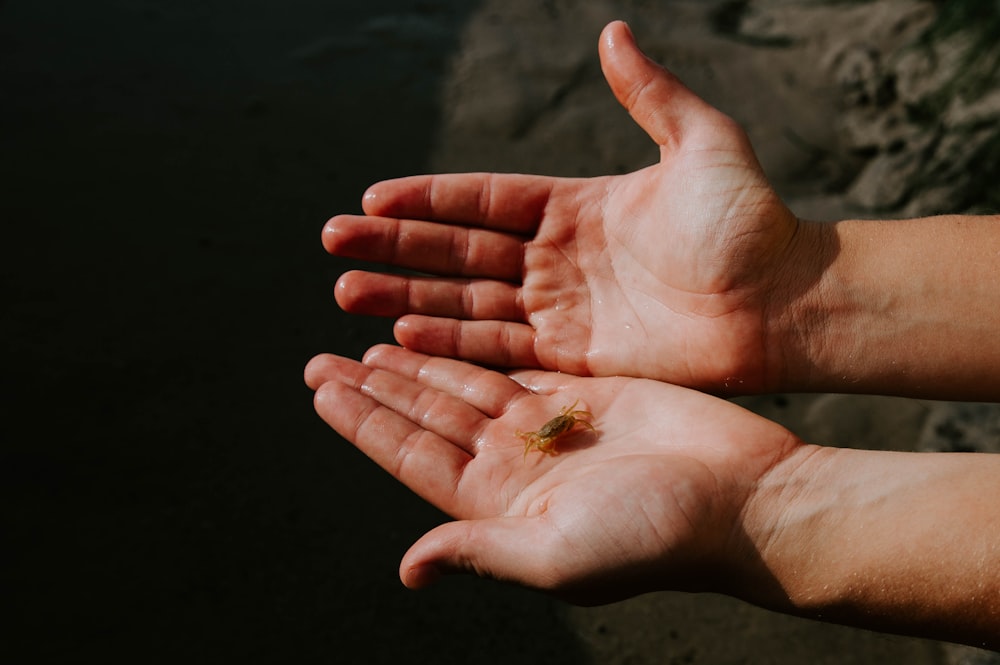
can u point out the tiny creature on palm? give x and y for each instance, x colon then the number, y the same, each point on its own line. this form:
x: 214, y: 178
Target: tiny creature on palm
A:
x: 545, y: 438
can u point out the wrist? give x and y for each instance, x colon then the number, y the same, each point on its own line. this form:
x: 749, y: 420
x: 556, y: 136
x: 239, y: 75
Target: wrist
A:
x: 769, y: 539
x: 901, y: 542
x: 796, y: 524
x: 890, y: 307
x: 802, y: 309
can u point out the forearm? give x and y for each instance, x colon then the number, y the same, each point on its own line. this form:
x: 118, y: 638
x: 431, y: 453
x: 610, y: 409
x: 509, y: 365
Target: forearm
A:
x: 909, y: 307
x: 899, y: 542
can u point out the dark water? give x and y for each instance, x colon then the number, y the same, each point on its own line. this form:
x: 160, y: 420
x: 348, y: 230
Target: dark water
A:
x: 168, y: 493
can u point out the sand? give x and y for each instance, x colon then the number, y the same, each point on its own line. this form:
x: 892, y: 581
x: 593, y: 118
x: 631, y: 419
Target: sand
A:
x: 169, y: 494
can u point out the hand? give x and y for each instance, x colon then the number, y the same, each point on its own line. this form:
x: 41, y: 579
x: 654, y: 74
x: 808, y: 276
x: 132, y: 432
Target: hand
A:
x: 652, y: 500
x: 673, y: 272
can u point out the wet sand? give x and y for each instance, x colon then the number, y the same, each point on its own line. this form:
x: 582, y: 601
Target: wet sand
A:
x: 169, y: 493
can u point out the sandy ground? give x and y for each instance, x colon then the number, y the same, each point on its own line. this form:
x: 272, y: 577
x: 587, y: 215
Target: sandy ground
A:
x: 169, y: 495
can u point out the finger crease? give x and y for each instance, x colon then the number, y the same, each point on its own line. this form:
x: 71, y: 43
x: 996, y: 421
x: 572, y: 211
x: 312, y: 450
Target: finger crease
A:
x: 486, y: 198
x: 460, y: 250
x: 469, y: 301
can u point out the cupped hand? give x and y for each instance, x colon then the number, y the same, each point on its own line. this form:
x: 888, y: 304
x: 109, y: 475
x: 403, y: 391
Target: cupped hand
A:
x: 651, y: 500
x: 673, y: 272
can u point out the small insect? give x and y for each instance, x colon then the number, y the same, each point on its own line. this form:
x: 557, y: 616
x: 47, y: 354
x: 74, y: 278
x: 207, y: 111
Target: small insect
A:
x: 544, y: 439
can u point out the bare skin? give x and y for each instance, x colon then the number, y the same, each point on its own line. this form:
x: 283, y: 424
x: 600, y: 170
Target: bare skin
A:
x: 665, y: 273
x: 690, y: 271
x: 681, y: 490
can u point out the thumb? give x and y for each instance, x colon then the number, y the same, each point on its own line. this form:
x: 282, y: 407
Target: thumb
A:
x: 502, y: 548
x: 655, y: 98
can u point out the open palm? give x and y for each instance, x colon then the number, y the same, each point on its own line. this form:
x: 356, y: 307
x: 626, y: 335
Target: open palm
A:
x: 652, y: 499
x: 667, y: 273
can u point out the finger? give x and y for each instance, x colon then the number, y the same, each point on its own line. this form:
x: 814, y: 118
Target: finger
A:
x: 655, y: 98
x: 378, y: 294
x: 497, y: 343
x: 505, y: 202
x: 434, y: 410
x: 328, y: 367
x: 425, y: 462
x: 503, y: 548
x: 490, y: 392
x: 576, y: 391
x: 448, y: 416
x: 540, y: 382
x: 426, y: 246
